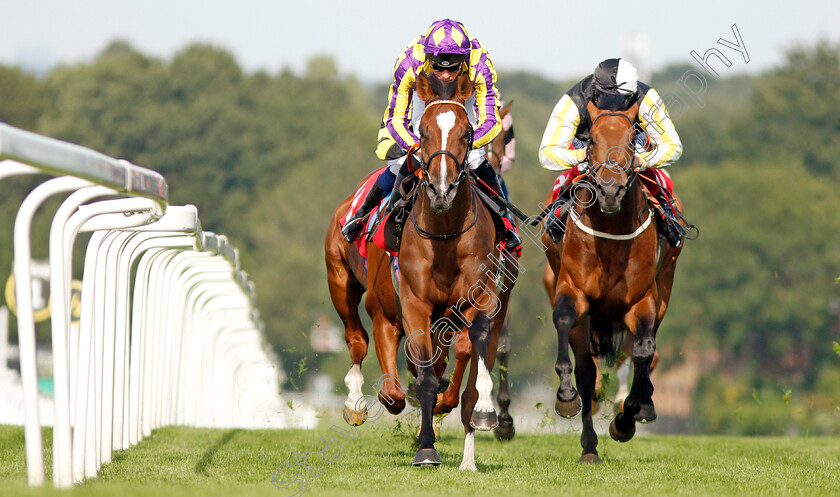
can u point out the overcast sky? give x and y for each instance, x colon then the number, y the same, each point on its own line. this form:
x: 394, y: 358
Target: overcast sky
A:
x: 555, y: 38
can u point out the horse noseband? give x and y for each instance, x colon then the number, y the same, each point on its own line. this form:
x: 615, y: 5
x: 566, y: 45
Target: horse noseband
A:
x: 462, y: 165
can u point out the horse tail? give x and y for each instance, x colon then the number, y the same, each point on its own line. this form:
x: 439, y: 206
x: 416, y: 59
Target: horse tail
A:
x: 606, y: 337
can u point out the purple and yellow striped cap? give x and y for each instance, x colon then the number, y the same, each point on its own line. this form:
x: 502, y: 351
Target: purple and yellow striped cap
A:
x: 447, y: 37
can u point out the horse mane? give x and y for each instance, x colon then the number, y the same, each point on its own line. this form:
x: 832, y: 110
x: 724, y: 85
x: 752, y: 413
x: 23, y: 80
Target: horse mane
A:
x: 445, y: 91
x: 431, y: 88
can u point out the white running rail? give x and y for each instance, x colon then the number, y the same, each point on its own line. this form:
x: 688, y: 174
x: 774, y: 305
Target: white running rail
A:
x: 181, y: 343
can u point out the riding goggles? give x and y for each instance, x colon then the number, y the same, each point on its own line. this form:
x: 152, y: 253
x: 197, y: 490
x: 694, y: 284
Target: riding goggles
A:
x: 446, y: 61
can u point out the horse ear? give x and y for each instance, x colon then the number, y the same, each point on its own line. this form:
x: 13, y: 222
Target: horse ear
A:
x: 593, y: 110
x: 465, y: 87
x: 633, y: 111
x: 423, y: 89
x: 505, y: 110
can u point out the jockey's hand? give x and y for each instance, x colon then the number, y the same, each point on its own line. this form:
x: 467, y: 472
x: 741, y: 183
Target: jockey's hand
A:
x: 639, y: 163
x: 583, y: 167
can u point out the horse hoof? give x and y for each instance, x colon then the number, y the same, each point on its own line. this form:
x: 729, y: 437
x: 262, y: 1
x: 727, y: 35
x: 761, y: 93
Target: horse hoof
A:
x: 355, y: 418
x: 484, y: 421
x: 568, y: 409
x: 505, y: 431
x: 426, y: 457
x: 590, y: 459
x: 394, y: 406
x: 620, y: 436
x: 647, y: 414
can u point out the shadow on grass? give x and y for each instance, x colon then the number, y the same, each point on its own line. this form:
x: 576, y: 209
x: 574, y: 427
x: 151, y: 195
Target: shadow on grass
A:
x: 207, y: 457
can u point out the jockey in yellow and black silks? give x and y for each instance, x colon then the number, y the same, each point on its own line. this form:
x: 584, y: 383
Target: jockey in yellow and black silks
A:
x: 442, y: 54
x: 614, y: 86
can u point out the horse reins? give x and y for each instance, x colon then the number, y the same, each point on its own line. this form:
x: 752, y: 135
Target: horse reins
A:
x: 444, y: 236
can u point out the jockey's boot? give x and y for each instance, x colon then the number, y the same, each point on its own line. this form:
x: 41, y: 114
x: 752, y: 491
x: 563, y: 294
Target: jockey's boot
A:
x: 400, y: 191
x: 668, y: 223
x: 489, y: 183
x: 555, y: 220
x: 356, y: 224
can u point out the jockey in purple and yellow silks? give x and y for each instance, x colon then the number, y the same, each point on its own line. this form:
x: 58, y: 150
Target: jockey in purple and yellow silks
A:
x: 613, y: 86
x: 442, y: 54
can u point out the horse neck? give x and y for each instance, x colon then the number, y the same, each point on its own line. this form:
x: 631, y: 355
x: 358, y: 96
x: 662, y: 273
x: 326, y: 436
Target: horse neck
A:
x: 456, y: 218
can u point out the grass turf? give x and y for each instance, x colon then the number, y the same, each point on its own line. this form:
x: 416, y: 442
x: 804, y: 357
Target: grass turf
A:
x: 375, y: 460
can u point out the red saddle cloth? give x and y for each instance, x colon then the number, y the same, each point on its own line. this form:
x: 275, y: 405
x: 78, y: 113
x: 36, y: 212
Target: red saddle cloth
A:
x: 358, y: 200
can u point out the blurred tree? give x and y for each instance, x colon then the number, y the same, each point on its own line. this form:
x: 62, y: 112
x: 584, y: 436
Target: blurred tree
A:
x: 757, y: 283
x: 21, y: 98
x: 795, y: 110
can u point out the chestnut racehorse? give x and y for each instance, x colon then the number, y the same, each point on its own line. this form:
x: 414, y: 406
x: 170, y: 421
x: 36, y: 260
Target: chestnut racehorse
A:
x: 349, y: 278
x: 608, y: 279
x: 446, y: 287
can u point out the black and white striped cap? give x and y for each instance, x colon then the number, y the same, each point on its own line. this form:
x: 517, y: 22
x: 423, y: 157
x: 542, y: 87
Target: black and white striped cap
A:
x: 616, y: 76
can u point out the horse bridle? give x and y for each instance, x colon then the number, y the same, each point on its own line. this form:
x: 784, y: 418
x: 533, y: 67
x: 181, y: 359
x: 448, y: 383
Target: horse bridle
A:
x: 462, y: 165
x: 610, y: 163
x: 462, y: 173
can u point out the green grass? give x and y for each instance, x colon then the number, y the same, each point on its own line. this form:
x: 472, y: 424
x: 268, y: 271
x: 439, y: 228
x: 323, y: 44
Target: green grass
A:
x: 202, y: 462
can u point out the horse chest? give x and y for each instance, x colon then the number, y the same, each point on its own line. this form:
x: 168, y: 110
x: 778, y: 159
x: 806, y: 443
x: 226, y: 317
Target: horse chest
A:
x: 614, y: 282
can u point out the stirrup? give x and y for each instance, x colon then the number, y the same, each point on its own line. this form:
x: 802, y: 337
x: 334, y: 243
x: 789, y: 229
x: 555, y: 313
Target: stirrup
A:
x: 353, y: 229
x: 672, y: 231
x: 512, y: 240
x: 554, y: 225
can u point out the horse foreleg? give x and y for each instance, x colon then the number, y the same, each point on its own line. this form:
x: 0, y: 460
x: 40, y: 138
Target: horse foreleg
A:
x: 477, y: 411
x: 641, y: 321
x: 565, y: 317
x: 448, y: 400
x: 585, y: 375
x: 419, y: 352
x: 484, y: 416
x: 623, y: 376
x: 346, y: 293
x: 387, y: 341
x: 505, y: 430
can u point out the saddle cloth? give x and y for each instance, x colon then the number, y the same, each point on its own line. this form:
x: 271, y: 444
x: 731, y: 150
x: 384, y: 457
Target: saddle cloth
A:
x: 358, y: 200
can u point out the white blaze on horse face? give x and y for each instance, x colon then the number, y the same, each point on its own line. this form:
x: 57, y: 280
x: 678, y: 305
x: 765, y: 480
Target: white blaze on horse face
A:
x: 354, y: 381
x: 468, y: 462
x: 484, y: 385
x: 445, y: 121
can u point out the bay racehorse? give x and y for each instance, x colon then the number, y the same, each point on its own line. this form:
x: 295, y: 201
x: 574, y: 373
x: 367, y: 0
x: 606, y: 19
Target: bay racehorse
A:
x: 446, y: 288
x: 611, y: 275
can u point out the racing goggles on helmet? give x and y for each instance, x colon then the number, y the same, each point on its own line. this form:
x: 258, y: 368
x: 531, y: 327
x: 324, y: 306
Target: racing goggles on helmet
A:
x: 613, y: 101
x: 446, y: 61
